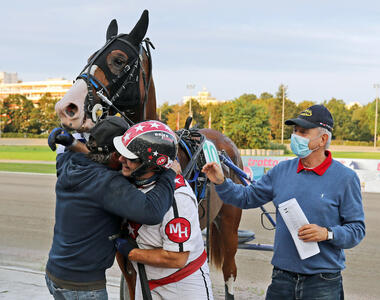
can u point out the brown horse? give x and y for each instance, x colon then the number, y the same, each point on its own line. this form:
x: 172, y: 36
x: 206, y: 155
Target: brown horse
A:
x: 118, y: 79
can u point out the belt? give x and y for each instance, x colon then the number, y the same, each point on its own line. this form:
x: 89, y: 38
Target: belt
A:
x: 181, y: 273
x: 298, y: 274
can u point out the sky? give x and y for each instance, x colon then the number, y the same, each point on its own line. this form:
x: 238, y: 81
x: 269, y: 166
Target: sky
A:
x: 318, y: 49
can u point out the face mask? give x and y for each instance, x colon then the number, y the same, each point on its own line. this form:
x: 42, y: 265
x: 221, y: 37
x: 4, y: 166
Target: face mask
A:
x: 300, y: 145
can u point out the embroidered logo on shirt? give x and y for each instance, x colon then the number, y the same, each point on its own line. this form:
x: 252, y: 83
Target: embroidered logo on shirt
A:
x: 133, y: 229
x: 179, y: 181
x: 178, y: 230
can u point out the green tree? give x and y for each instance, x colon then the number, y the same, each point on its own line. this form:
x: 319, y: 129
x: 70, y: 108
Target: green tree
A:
x: 303, y: 105
x: 164, y: 110
x: 247, y: 124
x: 360, y: 124
x: 19, y: 109
x: 248, y: 97
x: 45, y: 114
x: 216, y: 111
x: 266, y: 96
x: 371, y: 109
x: 199, y: 118
x: 342, y: 118
x: 274, y: 108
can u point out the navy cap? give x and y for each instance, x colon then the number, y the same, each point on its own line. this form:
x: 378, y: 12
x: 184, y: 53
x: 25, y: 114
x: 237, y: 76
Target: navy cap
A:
x: 104, y: 131
x: 312, y: 117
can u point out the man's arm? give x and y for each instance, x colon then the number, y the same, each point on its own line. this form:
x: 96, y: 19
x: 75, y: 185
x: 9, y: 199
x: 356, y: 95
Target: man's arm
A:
x: 159, y: 257
x: 123, y: 199
x: 251, y: 196
x: 351, y: 212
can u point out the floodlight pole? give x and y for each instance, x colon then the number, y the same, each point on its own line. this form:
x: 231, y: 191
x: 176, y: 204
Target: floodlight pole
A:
x: 190, y: 87
x: 376, y: 86
x: 283, y: 114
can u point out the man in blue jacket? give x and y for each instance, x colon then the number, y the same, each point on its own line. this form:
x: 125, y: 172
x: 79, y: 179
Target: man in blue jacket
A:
x: 91, y: 200
x: 330, y: 197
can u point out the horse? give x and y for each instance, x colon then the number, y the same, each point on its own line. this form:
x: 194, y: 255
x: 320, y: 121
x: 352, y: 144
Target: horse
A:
x: 117, y: 79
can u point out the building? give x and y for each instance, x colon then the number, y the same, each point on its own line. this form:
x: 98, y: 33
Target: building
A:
x: 351, y: 104
x: 34, y: 90
x: 8, y: 77
x: 204, y: 98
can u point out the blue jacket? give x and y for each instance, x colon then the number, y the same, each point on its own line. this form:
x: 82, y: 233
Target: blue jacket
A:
x: 89, y: 199
x: 331, y: 200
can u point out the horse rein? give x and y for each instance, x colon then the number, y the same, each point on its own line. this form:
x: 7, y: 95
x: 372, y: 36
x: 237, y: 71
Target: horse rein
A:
x: 131, y: 71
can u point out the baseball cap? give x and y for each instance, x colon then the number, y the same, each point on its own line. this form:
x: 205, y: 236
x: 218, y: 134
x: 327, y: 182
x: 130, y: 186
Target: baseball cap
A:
x: 312, y: 117
x: 105, y: 130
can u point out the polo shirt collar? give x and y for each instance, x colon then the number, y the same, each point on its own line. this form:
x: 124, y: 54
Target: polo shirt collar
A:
x: 319, y: 170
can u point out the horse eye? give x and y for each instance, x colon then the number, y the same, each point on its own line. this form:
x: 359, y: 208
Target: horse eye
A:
x: 118, y: 61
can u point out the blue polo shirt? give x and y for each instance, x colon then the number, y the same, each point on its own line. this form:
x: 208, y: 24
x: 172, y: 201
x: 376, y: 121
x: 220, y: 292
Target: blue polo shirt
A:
x: 329, y: 195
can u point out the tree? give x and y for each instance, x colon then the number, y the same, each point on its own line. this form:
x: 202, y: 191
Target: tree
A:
x: 46, y: 116
x: 164, y: 110
x: 274, y: 108
x: 248, y: 97
x: 216, y: 111
x: 360, y: 124
x: 303, y: 105
x: 266, y: 96
x: 342, y: 118
x: 19, y: 110
x: 247, y: 124
x: 370, y: 111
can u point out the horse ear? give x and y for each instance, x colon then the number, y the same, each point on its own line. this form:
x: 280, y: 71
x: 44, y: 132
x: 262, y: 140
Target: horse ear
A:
x: 111, y: 30
x: 139, y: 31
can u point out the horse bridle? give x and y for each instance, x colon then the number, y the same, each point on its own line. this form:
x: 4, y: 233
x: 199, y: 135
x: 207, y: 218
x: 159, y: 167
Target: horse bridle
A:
x: 131, y: 72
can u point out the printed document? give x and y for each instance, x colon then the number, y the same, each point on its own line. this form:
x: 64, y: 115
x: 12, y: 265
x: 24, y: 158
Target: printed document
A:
x: 294, y: 219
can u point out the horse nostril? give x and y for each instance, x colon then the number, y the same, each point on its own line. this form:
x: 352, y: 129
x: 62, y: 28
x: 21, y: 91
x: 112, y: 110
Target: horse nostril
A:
x: 71, y: 110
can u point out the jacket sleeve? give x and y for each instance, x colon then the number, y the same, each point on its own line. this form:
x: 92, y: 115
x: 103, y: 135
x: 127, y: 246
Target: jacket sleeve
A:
x: 352, y: 228
x: 251, y: 196
x: 123, y: 199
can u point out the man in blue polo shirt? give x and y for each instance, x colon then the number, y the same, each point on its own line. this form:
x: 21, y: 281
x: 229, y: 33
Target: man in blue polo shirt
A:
x: 330, y: 197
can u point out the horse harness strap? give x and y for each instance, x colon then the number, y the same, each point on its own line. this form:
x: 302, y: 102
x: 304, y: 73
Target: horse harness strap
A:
x: 191, y: 141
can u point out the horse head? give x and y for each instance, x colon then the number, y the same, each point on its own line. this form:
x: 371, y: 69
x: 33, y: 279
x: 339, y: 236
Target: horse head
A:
x: 116, y: 79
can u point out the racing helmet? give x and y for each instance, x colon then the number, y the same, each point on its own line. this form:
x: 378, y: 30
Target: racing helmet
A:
x: 153, y: 143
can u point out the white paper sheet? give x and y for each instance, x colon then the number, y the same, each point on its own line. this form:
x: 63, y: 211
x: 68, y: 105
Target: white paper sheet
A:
x: 295, y: 218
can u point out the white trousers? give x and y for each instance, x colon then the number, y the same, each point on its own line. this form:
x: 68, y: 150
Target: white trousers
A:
x: 195, y: 286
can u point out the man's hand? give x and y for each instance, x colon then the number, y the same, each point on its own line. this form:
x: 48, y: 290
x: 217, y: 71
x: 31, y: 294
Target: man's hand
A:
x: 176, y: 167
x: 123, y: 246
x: 213, y: 172
x: 312, y: 233
x: 60, y: 136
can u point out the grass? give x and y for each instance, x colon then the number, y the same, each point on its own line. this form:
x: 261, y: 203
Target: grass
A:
x: 350, y: 155
x: 30, y: 168
x: 45, y: 154
x: 357, y: 155
x: 27, y: 153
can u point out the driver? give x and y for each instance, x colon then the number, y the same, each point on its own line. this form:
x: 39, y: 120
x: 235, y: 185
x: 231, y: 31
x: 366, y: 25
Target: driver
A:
x: 172, y: 251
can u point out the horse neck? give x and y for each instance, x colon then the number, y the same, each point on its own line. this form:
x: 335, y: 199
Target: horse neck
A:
x: 151, y: 113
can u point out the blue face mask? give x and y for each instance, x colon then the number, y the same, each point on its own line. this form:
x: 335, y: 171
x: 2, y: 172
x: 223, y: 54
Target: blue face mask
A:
x: 300, y: 146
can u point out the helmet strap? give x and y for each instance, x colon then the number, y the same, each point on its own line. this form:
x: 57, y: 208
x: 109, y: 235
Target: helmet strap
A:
x: 143, y: 169
x: 146, y: 181
x: 140, y: 171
